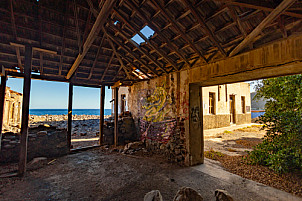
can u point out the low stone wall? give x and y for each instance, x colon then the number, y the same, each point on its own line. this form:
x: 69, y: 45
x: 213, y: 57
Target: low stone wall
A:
x: 173, y: 146
x: 243, y: 118
x: 218, y: 121
x: 42, y: 142
x: 127, y: 131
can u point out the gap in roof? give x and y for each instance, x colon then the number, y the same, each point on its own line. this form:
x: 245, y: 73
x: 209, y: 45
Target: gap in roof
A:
x: 146, y: 31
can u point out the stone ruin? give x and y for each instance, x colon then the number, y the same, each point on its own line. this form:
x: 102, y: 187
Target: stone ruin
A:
x: 43, y: 141
x: 12, y: 111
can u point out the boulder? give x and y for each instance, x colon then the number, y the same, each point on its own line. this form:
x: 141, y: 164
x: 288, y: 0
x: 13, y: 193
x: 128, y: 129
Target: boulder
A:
x: 153, y: 196
x: 187, y: 194
x: 222, y: 195
x: 133, y: 146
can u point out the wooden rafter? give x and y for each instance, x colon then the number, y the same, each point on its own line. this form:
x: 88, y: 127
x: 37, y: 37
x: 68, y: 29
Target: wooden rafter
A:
x: 151, y: 43
x: 205, y: 26
x: 154, y: 27
x: 118, y: 57
x: 14, y: 29
x: 96, y: 57
x: 120, y: 32
x: 271, y: 17
x: 130, y: 53
x: 75, y: 12
x: 108, y: 66
x: 100, y: 20
x: 257, y: 7
x: 165, y: 12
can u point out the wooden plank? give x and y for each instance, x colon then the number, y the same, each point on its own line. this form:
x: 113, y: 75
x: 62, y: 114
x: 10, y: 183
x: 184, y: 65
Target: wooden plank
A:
x: 69, y: 121
x: 139, y: 49
x: 257, y: 7
x: 2, y: 101
x: 108, y: 66
x: 271, y: 17
x: 97, y: 26
x: 155, y: 28
x: 25, y: 111
x: 96, y: 57
x: 205, y: 26
x: 151, y: 43
x: 102, y: 106
x: 167, y: 15
x: 131, y: 53
x: 116, y: 116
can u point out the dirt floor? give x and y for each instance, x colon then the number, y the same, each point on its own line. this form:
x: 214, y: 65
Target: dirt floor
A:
x: 101, y: 175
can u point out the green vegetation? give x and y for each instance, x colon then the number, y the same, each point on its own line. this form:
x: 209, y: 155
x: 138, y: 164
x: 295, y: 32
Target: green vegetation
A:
x: 214, y: 155
x: 226, y: 131
x: 281, y: 148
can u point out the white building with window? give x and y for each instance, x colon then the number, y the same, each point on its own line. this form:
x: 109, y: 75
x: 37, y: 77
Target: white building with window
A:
x: 226, y: 104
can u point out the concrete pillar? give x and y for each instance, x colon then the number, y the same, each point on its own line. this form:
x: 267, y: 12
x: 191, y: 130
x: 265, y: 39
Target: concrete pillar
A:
x: 195, y: 139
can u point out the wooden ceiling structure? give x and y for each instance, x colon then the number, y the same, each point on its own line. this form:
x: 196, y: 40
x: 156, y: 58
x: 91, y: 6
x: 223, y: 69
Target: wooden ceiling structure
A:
x: 89, y: 42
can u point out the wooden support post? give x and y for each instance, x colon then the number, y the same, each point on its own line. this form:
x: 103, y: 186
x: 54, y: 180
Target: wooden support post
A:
x: 102, y: 95
x: 2, y: 101
x: 25, y: 110
x: 69, y: 124
x: 116, y: 116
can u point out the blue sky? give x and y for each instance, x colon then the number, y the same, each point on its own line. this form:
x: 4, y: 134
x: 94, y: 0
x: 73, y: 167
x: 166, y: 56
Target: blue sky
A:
x: 54, y: 95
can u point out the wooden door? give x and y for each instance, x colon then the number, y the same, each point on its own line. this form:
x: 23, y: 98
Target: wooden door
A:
x: 232, y: 109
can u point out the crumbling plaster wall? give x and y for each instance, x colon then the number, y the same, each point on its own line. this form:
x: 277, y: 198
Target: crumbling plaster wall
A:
x: 160, y: 109
x: 282, y: 57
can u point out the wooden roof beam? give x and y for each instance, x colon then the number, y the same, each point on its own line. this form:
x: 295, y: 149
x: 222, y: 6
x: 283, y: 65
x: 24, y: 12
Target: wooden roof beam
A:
x: 118, y: 57
x: 281, y: 8
x: 100, y: 20
x: 263, y: 8
x: 130, y: 53
x: 173, y: 47
x: 178, y: 29
x: 205, y: 26
x: 106, y: 69
x: 96, y: 57
x: 139, y: 49
x: 151, y: 43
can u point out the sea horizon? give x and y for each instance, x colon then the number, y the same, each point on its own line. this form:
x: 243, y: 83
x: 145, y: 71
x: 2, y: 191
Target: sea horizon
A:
x: 40, y: 112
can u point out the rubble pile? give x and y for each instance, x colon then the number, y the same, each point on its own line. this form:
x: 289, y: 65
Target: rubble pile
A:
x: 43, y: 141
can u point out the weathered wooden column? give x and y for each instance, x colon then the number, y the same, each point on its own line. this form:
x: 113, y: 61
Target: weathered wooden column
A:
x: 25, y: 110
x: 116, y: 116
x: 69, y: 122
x: 2, y: 101
x: 102, y: 106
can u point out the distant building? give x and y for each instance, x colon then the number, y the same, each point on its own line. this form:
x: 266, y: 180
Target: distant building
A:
x: 226, y: 104
x: 123, y: 94
x: 257, y: 105
x: 12, y: 110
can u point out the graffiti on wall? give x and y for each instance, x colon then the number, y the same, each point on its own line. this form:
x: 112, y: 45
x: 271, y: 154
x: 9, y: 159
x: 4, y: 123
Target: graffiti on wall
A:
x: 155, y: 123
x: 156, y: 105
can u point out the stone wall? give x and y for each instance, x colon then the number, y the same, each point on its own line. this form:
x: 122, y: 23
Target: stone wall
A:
x: 42, y: 142
x: 160, y: 110
x: 127, y: 131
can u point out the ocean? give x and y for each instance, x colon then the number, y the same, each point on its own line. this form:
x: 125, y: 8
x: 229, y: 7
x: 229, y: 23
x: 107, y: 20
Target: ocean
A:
x: 40, y: 112
x: 256, y: 114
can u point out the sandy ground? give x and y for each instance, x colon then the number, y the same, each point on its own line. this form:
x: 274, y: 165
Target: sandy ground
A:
x: 230, y: 140
x: 99, y: 175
